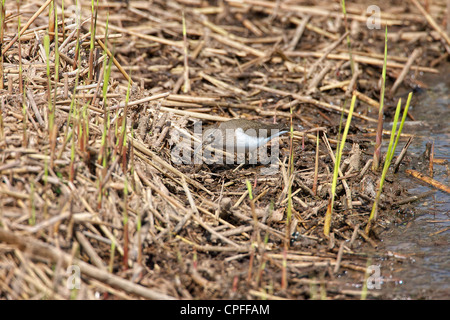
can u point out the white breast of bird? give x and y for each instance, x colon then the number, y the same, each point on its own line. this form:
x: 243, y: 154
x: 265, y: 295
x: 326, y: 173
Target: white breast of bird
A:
x: 249, y: 141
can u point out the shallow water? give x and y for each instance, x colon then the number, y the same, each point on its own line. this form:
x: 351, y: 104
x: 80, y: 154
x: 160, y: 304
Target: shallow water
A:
x: 423, y: 242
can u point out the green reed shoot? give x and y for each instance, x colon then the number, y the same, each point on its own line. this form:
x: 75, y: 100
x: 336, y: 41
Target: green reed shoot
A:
x: 92, y: 29
x: 71, y: 115
x: 340, y: 145
x: 379, y: 134
x: 352, y: 64
x: 103, y: 155
x: 389, y: 155
x: 56, y: 79
x: 76, y: 60
x: 73, y: 101
x: 62, y: 21
x: 51, y: 109
x: 122, y: 141
x: 405, y: 113
x: 249, y: 189
x: 352, y: 67
x: 337, y: 163
x: 107, y: 119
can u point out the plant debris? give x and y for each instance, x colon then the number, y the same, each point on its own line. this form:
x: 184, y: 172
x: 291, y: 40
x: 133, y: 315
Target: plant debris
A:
x: 79, y: 195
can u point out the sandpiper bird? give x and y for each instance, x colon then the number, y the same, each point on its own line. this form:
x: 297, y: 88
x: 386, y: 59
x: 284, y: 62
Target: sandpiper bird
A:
x: 241, y: 135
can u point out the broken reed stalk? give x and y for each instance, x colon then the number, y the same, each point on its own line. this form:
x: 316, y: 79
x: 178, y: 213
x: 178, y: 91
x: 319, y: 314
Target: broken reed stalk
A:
x: 2, y: 31
x: 51, y: 21
x: 84, y: 127
x: 125, y: 225
x: 379, y: 133
x: 255, y: 237
x: 21, y: 84
x: 114, y: 60
x: 436, y: 184
x: 339, y: 150
x: 390, y: 153
x: 20, y: 50
x: 40, y: 250
x: 112, y: 252
x: 72, y: 114
x: 56, y: 53
x: 25, y: 119
x: 445, y: 37
x: 32, y: 218
x: 284, y: 269
x: 187, y: 84
x: 316, y: 165
x: 290, y: 180
x: 2, y: 125
x: 72, y: 157
x: 402, y: 154
x: 26, y: 26
x: 431, y: 160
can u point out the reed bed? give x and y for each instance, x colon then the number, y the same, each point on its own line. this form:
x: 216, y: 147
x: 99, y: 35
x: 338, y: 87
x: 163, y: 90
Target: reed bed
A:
x: 94, y: 95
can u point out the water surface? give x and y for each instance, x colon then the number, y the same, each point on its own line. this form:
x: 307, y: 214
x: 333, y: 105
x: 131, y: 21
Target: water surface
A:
x: 422, y: 267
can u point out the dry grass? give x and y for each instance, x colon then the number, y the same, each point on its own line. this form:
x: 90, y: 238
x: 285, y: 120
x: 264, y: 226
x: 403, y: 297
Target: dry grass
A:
x: 109, y: 200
